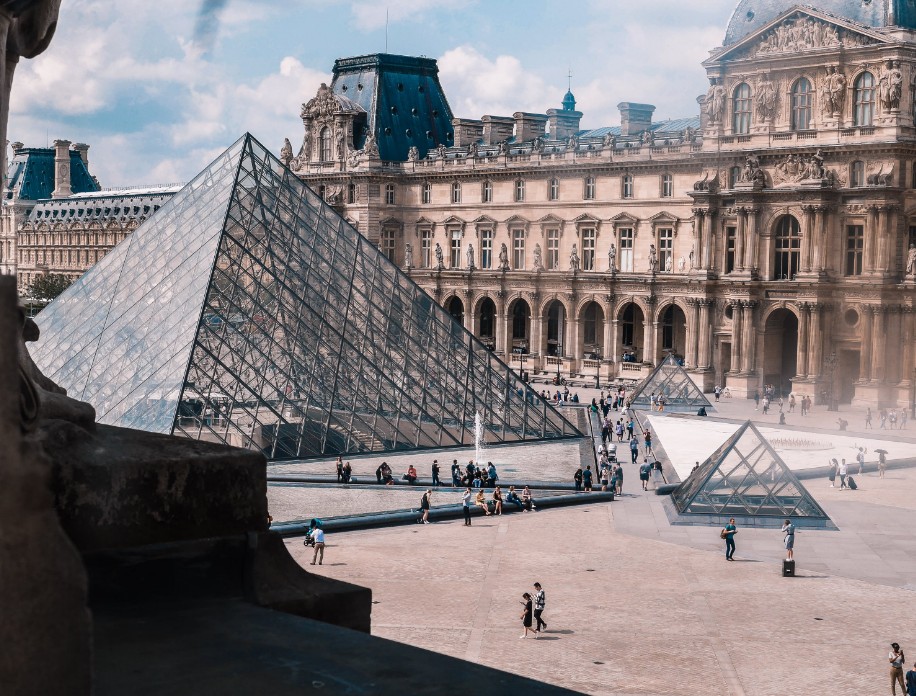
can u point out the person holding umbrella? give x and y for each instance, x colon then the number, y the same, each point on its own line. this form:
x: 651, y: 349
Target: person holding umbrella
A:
x: 882, y: 462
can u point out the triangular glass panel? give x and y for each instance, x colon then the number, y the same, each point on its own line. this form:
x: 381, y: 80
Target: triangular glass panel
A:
x: 745, y: 477
x: 247, y: 311
x: 672, y: 382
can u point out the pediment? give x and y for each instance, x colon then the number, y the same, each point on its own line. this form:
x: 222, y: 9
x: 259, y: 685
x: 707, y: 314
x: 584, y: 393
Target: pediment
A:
x: 425, y: 222
x: 550, y: 219
x: 484, y: 220
x: 391, y: 222
x: 799, y: 30
x: 452, y: 220
x: 624, y: 219
x: 518, y: 221
x: 664, y: 217
x: 585, y: 218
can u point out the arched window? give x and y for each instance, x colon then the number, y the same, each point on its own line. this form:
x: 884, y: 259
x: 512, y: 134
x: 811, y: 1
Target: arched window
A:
x: 741, y: 111
x: 802, y: 99
x: 324, y: 144
x: 857, y: 174
x: 864, y: 98
x: 456, y: 192
x: 788, y: 244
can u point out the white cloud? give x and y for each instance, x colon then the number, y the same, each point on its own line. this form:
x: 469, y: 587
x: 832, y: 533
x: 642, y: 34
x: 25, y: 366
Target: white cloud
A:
x: 371, y: 15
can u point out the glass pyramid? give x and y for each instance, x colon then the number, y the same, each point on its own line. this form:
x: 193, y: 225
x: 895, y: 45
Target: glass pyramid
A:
x: 745, y: 477
x: 672, y: 381
x: 247, y: 311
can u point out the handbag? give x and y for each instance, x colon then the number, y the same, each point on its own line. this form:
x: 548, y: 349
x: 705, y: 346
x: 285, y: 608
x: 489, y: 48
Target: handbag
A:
x: 723, y: 534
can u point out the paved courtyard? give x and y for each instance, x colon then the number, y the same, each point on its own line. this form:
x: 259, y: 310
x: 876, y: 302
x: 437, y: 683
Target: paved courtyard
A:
x: 637, y: 606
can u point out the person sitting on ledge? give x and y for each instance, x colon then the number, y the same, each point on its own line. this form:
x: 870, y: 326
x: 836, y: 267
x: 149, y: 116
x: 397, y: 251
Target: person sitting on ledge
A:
x: 411, y: 475
x: 387, y: 478
x: 512, y: 497
x: 481, y: 502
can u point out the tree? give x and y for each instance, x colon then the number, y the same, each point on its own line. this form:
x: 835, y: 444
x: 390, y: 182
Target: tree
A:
x: 46, y: 288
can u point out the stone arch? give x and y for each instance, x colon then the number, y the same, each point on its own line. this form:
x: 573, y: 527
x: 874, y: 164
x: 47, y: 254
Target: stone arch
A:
x: 454, y: 305
x: 485, y: 317
x: 671, y: 334
x: 591, y: 317
x: 518, y: 315
x: 667, y: 302
x: 547, y: 301
x: 632, y: 299
x: 554, y: 315
x: 780, y: 347
x: 630, y: 315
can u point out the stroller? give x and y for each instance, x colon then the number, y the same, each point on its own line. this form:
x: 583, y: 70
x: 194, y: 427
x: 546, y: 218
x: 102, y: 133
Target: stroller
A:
x: 309, y: 539
x: 612, y: 453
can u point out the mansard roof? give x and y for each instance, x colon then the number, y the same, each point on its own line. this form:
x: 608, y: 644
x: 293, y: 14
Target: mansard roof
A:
x: 752, y: 15
x: 30, y: 174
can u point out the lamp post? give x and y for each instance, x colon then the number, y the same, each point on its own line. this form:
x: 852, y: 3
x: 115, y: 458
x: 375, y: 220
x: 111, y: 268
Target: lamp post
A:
x: 830, y: 371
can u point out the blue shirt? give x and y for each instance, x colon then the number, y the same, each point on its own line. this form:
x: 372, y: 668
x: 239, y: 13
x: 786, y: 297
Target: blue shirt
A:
x: 730, y: 530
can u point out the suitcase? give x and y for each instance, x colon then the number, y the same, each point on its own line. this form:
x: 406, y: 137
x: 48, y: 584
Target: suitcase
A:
x: 851, y: 482
x: 788, y: 569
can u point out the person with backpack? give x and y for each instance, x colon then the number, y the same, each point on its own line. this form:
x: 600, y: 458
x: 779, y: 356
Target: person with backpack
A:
x: 911, y: 682
x: 634, y: 449
x: 728, y: 533
x: 644, y: 470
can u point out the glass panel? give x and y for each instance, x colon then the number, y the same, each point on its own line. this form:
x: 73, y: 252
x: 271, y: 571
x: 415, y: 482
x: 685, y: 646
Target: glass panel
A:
x: 671, y: 381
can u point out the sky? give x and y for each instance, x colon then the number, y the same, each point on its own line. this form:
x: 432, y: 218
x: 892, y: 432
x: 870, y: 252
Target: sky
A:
x: 158, y: 88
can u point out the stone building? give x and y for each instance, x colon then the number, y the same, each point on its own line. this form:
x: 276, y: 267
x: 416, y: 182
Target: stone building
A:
x: 765, y: 240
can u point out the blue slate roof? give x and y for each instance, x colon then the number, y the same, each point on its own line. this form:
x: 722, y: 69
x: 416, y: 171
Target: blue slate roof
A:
x: 751, y: 15
x: 676, y: 125
x: 403, y: 99
x: 31, y: 174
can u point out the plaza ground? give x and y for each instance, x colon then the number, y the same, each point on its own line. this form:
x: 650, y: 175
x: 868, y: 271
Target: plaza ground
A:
x: 638, y: 606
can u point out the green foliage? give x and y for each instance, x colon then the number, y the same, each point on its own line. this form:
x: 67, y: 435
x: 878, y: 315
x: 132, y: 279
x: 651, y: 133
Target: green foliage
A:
x: 46, y: 288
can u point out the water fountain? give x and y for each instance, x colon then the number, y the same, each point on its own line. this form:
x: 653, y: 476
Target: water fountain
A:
x: 478, y: 438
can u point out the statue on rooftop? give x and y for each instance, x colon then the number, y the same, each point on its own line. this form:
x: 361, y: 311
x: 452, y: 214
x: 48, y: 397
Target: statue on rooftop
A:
x: 371, y: 146
x: 413, y: 154
x: 286, y: 152
x: 610, y: 140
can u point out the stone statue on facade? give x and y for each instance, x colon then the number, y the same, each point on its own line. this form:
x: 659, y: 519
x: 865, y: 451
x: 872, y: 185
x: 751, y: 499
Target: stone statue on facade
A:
x: 305, y: 152
x: 574, y: 259
x: 440, y: 261
x: 691, y: 255
x: 715, y: 101
x: 370, y: 148
x: 408, y: 256
x: 647, y: 137
x: 815, y: 168
x: 341, y: 144
x: 612, y: 258
x: 911, y: 261
x: 537, y: 145
x: 503, y: 257
x: 572, y: 143
x: 286, y: 152
x: 834, y: 92
x: 653, y: 259
x: 689, y: 135
x: 752, y: 173
x: 668, y: 264
x: 440, y: 151
x: 766, y: 99
x: 538, y: 262
x: 610, y: 141
x: 890, y: 86
x: 503, y: 147
x: 470, y: 256
x: 681, y: 265
x: 413, y: 154
x: 472, y: 149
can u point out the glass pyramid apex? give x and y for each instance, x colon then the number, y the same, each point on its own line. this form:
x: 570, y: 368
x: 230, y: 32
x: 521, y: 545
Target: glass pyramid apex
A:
x: 670, y: 380
x: 745, y: 477
x: 247, y: 311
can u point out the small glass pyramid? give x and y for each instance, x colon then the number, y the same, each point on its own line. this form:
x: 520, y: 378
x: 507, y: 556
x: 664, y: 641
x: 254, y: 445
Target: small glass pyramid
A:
x: 671, y: 381
x: 247, y: 311
x: 745, y: 477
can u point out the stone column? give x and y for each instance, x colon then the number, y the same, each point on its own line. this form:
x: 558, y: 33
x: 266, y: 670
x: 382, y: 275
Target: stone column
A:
x: 648, y: 353
x: 801, y: 352
x: 749, y: 337
x: 866, y: 348
x: 739, y: 239
x: 871, y: 239
x: 815, y: 341
x: 703, y: 327
x: 807, y: 241
x: 879, y: 342
x: 908, y: 336
x: 502, y: 324
x: 614, y: 349
x: 885, y: 225
x: 537, y: 334
x: 737, y: 336
x: 819, y: 240
x: 469, y: 312
x: 701, y: 251
x: 693, y: 343
x: 752, y: 240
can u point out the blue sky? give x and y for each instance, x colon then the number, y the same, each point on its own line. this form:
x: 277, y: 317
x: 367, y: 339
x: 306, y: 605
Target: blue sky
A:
x: 157, y: 101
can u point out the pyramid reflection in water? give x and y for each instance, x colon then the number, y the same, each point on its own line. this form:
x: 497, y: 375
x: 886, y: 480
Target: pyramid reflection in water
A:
x: 745, y: 478
x: 247, y: 311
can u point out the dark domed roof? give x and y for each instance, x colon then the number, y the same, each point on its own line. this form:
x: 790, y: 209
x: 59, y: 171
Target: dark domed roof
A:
x: 569, y: 101
x: 751, y: 15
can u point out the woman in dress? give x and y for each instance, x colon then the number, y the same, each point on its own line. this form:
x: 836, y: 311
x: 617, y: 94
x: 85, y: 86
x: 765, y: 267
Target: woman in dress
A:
x: 526, y: 616
x: 789, y: 530
x: 527, y: 502
x: 481, y: 502
x: 497, y: 501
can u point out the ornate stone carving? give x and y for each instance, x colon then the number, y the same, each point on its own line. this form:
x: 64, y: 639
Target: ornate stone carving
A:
x: 538, y: 263
x: 610, y: 141
x: 833, y: 92
x: 911, y: 261
x: 413, y: 154
x: 752, y: 173
x: 470, y: 257
x: 286, y: 152
x: 802, y: 33
x: 715, y: 101
x: 333, y: 195
x: 322, y: 106
x: 890, y: 86
x: 797, y: 168
x: 440, y: 262
x: 612, y: 258
x: 653, y: 259
x: 879, y: 177
x: 707, y: 184
x: 503, y: 257
x: 574, y: 259
x: 766, y: 100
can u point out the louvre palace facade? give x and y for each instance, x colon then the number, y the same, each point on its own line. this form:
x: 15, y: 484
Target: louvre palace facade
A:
x: 765, y: 240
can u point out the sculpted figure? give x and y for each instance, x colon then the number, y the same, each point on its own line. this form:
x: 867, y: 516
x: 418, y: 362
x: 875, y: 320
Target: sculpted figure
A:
x: 681, y: 264
x: 503, y: 257
x: 574, y: 259
x: 538, y: 263
x: 653, y: 259
x: 440, y: 151
x: 537, y: 145
x: 470, y: 256
x: 413, y: 154
x: 286, y: 152
x: 691, y: 254
x: 911, y: 260
x: 472, y: 149
x: 610, y: 141
x: 715, y: 101
x: 766, y: 100
x: 408, y: 255
x: 371, y: 146
x: 440, y: 263
x: 894, y: 85
x: 612, y: 258
x: 305, y: 152
x: 647, y: 137
x: 341, y: 144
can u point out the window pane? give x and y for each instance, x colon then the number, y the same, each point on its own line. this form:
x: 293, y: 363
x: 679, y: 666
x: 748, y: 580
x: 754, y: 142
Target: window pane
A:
x: 518, y: 249
x: 588, y: 249
x: 553, y: 250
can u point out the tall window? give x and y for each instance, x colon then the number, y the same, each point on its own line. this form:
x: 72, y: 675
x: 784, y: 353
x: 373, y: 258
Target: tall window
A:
x: 518, y: 249
x: 426, y: 243
x: 388, y: 243
x: 389, y: 194
x: 627, y: 186
x: 668, y: 328
x: 456, y: 192
x: 351, y: 194
x: 591, y: 323
x: 324, y: 144
x: 667, y: 186
x: 553, y: 249
x: 857, y: 174
x: 802, y: 97
x: 486, y: 248
x: 519, y: 190
x: 627, y: 325
x: 855, y: 239
x: 625, y: 252
x: 589, y: 188
x: 742, y: 109
x: 427, y: 195
x: 788, y: 243
x: 486, y: 194
x: 863, y: 93
x: 553, y: 190
x: 665, y: 249
x: 734, y: 174
x: 731, y: 237
x: 455, y: 249
x: 589, y: 236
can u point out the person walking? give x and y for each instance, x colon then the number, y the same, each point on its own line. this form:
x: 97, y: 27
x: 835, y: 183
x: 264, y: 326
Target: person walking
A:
x: 526, y: 615
x: 911, y: 682
x: 634, y: 449
x: 648, y: 440
x: 644, y: 471
x: 791, y: 403
x: 318, y: 536
x: 789, y: 530
x: 896, y: 659
x: 728, y: 533
x: 466, y: 506
x: 756, y: 399
x: 842, y: 471
x: 424, y: 506
x: 577, y: 478
x: 860, y: 458
x: 618, y: 477
x: 882, y: 464
x: 540, y: 601
x: 868, y: 419
x: 435, y: 471
x: 832, y: 473
x: 339, y: 469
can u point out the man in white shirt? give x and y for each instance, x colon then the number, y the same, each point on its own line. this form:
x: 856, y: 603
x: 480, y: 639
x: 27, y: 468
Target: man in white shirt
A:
x: 540, y: 601
x: 842, y: 471
x: 466, y: 506
x: 318, y: 536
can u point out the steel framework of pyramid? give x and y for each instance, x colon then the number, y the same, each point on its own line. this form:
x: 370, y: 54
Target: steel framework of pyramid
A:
x: 247, y: 311
x: 745, y: 478
x: 672, y: 381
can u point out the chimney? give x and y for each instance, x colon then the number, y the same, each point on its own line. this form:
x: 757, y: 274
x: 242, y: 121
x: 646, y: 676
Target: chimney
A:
x: 497, y: 129
x: 635, y: 118
x: 467, y: 131
x: 61, y: 169
x: 563, y: 123
x: 528, y: 126
x: 83, y: 149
